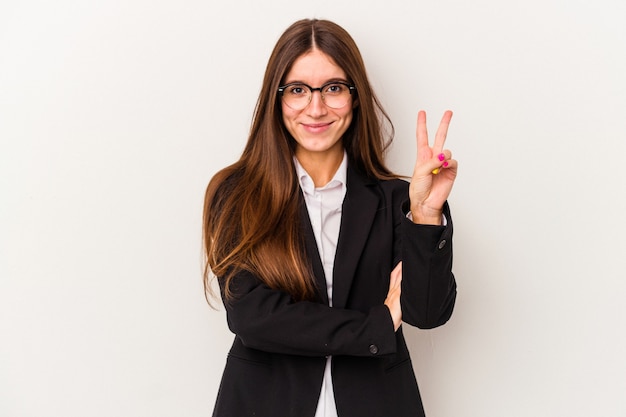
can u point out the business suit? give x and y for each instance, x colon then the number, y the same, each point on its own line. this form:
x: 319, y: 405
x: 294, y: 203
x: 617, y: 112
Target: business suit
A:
x: 276, y: 364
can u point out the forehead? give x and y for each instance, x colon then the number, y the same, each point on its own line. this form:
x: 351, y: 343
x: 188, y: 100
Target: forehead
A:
x: 313, y: 68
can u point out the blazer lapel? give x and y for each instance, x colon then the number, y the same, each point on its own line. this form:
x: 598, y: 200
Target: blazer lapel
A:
x: 358, y: 213
x: 310, y: 246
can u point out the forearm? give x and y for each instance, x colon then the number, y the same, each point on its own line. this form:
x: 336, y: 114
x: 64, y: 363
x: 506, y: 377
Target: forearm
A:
x: 428, y: 284
x: 271, y: 321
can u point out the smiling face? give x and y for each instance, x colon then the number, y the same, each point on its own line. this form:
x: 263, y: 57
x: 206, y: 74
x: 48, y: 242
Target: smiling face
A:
x: 317, y: 129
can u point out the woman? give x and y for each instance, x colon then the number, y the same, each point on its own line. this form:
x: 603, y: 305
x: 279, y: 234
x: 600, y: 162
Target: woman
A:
x: 319, y: 249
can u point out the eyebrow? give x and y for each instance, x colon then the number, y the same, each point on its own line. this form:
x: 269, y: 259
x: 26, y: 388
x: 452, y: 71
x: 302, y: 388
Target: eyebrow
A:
x: 331, y: 80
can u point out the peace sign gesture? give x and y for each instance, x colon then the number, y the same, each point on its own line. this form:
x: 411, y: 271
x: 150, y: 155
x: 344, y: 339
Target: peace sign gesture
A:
x: 434, y: 173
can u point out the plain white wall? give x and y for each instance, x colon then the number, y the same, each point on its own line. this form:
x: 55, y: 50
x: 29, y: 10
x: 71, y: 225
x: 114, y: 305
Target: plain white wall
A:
x: 114, y: 114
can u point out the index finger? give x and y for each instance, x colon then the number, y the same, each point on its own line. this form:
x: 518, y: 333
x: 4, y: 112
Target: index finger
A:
x: 442, y: 132
x: 421, y: 131
x: 396, y: 276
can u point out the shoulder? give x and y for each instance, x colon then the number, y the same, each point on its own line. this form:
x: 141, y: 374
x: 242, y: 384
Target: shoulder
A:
x: 220, y: 196
x: 393, y: 188
x: 224, y: 182
x: 394, y: 184
x: 396, y: 189
x: 356, y: 175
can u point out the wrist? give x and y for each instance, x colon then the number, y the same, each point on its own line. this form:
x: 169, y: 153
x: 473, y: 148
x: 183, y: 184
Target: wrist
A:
x: 421, y: 216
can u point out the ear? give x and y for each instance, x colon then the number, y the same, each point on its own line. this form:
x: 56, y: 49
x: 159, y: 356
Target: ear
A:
x: 355, y: 103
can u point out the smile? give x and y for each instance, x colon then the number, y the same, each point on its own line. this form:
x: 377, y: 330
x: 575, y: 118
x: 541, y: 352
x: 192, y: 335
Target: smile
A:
x: 316, y: 127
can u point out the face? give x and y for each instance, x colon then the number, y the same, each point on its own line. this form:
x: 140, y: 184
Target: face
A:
x: 317, y: 129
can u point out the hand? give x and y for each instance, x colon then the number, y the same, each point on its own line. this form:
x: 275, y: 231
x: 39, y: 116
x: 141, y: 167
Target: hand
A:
x: 434, y: 173
x: 393, y: 296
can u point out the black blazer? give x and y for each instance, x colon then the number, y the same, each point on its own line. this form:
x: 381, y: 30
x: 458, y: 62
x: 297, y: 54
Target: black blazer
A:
x: 276, y: 364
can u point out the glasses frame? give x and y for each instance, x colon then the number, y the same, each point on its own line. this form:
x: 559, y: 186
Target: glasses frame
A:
x: 351, y: 89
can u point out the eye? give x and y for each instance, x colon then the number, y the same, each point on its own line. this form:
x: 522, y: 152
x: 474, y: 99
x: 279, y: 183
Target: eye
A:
x: 297, y: 90
x: 335, y: 89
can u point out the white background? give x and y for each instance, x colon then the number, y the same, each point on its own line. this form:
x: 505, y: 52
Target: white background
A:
x: 114, y: 115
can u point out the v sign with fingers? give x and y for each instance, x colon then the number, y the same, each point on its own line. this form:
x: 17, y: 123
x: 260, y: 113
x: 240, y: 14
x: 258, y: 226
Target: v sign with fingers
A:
x: 434, y: 173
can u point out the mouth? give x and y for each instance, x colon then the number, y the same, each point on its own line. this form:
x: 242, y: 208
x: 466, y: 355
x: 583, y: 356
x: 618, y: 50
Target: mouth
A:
x: 316, y: 127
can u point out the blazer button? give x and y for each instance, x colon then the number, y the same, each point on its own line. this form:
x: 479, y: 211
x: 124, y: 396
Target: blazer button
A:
x: 442, y: 244
x: 373, y: 349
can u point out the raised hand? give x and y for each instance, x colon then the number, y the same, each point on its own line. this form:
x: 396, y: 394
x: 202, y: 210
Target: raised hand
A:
x: 393, y: 296
x: 434, y: 173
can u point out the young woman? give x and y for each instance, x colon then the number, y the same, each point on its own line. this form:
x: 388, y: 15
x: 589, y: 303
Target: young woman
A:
x: 320, y: 250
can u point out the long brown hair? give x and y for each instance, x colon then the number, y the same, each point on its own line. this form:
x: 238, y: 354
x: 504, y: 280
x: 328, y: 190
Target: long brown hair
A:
x: 251, y: 211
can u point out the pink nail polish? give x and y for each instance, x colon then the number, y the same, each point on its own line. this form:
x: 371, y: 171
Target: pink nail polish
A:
x: 445, y: 164
x: 442, y: 157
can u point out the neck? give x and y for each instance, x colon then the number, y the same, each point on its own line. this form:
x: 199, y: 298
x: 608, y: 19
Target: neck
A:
x: 321, y: 166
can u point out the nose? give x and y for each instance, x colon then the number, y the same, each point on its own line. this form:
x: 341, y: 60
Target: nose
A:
x: 316, y: 107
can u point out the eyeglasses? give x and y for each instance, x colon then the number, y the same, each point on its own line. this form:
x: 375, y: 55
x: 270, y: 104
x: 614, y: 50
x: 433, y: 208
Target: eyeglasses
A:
x: 335, y: 94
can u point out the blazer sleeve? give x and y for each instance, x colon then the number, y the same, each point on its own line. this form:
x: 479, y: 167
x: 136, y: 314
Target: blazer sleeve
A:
x: 269, y: 320
x: 428, y: 284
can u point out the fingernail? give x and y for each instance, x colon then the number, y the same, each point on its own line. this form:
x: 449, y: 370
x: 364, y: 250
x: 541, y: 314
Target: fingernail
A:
x: 436, y: 171
x: 445, y: 164
x: 442, y: 157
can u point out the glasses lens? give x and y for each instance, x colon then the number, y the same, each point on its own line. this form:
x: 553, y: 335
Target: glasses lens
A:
x: 297, y: 96
x: 336, y: 95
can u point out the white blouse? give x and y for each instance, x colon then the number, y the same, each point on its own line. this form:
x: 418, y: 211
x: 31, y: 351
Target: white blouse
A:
x: 324, y: 207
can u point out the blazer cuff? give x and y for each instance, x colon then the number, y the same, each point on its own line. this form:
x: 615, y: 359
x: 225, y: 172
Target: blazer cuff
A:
x: 382, y: 340
x: 444, y: 219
